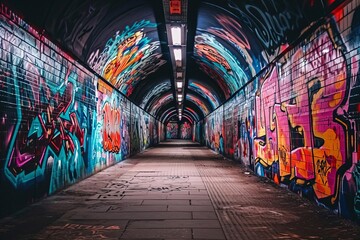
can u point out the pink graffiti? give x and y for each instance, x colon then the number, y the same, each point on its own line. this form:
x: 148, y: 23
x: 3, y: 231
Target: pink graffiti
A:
x: 295, y: 111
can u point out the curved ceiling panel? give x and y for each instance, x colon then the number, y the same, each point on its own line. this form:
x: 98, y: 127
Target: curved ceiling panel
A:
x: 189, y: 118
x: 126, y: 43
x: 173, y: 117
x: 235, y: 40
x: 163, y: 100
x: 167, y: 114
x: 128, y: 56
x: 196, y: 100
x: 206, y: 92
x: 154, y: 94
x: 148, y: 87
x: 165, y: 108
x: 195, y: 109
x: 214, y: 76
x: 225, y: 28
x: 192, y: 112
x: 270, y: 24
x: 221, y: 46
x: 119, y: 40
x: 215, y: 55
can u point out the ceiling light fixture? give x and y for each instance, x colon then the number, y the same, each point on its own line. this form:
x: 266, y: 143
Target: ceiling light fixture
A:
x: 179, y: 74
x: 177, y: 54
x: 179, y: 84
x: 176, y: 35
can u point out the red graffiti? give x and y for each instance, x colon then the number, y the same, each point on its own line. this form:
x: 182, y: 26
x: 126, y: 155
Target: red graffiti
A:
x: 111, y: 129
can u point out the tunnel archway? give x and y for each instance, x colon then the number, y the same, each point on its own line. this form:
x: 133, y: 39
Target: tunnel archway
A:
x: 272, y: 84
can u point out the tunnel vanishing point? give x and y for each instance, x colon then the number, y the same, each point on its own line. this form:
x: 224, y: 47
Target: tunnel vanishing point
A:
x: 272, y: 85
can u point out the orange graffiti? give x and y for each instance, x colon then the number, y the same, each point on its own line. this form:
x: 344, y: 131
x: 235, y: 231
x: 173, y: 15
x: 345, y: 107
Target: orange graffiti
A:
x: 127, y: 55
x: 111, y: 129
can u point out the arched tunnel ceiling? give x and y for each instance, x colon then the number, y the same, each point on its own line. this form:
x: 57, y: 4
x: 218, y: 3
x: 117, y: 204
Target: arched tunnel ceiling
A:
x: 125, y: 42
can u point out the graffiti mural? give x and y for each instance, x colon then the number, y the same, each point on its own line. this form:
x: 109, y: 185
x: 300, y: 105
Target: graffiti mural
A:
x: 298, y: 122
x: 274, y: 28
x: 204, y: 108
x: 192, y: 113
x: 141, y: 126
x: 154, y: 94
x: 135, y: 130
x: 185, y: 130
x: 172, y: 130
x: 209, y: 51
x: 111, y: 129
x: 59, y: 123
x: 215, y: 77
x: 128, y: 57
x: 236, y: 35
x: 46, y: 126
x: 125, y: 128
x: 205, y: 93
x: 157, y: 103
x: 214, y: 130
x: 311, y: 144
x: 161, y: 132
x: 144, y: 130
x: 229, y: 127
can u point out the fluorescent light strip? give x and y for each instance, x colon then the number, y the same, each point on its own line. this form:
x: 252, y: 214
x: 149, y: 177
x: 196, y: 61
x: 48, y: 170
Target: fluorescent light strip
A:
x: 179, y: 84
x: 177, y: 54
x: 176, y: 35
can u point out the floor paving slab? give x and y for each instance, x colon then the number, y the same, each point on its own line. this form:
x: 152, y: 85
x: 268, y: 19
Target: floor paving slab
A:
x: 204, y: 215
x: 192, y: 208
x: 208, y: 234
x: 138, y: 209
x: 166, y: 202
x: 188, y: 197
x: 173, y: 224
x: 201, y: 202
x: 157, y: 234
x: 128, y: 215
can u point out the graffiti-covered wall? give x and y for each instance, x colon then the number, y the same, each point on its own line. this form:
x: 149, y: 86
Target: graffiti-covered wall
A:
x: 172, y: 130
x: 185, y: 130
x: 179, y: 130
x: 59, y: 123
x: 299, y: 122
x: 214, y: 131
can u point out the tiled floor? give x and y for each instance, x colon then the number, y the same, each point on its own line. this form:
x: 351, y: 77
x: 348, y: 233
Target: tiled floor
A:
x: 178, y: 190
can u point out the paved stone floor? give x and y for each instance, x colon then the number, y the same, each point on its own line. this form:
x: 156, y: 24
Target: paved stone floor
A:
x: 178, y: 190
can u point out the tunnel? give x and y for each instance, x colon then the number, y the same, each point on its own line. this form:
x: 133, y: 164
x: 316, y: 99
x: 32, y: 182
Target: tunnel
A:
x: 180, y: 119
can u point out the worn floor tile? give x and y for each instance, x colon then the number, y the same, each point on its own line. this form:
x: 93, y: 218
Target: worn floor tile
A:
x: 208, y: 234
x: 157, y: 234
x: 175, y: 224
